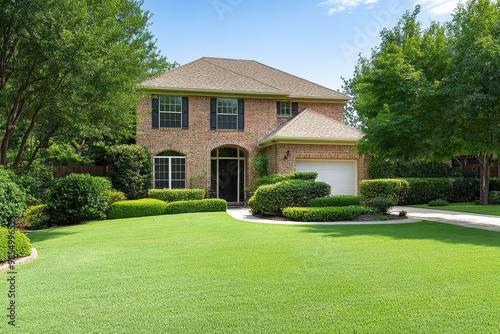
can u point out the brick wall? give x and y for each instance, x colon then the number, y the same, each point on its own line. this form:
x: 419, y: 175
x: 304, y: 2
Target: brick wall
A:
x: 198, y: 140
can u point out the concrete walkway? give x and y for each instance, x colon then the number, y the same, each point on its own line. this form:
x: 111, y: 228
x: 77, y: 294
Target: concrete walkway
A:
x: 474, y: 220
x: 485, y: 222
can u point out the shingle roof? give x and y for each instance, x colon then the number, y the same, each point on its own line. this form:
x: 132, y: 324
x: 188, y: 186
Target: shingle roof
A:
x: 239, y: 76
x: 309, y: 126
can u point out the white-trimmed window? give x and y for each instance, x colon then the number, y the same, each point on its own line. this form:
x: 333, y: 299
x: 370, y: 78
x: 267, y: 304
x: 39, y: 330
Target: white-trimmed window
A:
x: 227, y: 113
x: 284, y: 108
x: 170, y: 109
x: 169, y: 170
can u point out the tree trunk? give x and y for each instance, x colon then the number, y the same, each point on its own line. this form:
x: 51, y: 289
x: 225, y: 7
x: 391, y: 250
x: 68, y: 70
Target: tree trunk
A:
x: 484, y: 162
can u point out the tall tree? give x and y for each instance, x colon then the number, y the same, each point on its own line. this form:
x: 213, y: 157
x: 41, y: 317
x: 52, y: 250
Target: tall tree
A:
x: 69, y: 67
x: 433, y: 93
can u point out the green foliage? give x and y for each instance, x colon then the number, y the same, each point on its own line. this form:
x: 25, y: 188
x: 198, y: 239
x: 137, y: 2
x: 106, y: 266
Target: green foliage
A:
x: 270, y: 200
x: 204, y: 205
x: 116, y: 196
x: 394, y: 189
x: 495, y: 183
x: 275, y: 178
x: 137, y: 208
x: 380, y: 204
x: 12, y: 199
x: 77, y: 198
x: 494, y: 197
x: 438, y: 202
x: 422, y: 190
x: 345, y: 200
x: 464, y: 190
x: 403, y: 213
x: 65, y: 155
x: 173, y: 195
x: 36, y: 183
x: 381, y: 168
x: 22, y: 244
x: 324, y: 214
x: 261, y: 165
x: 34, y: 218
x: 130, y: 170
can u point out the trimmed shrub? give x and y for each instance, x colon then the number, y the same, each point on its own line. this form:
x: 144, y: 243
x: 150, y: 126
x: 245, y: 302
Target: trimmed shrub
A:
x: 438, y: 202
x: 204, y: 205
x: 464, y: 190
x: 116, y: 196
x: 495, y: 184
x: 34, y: 218
x: 494, y: 197
x: 275, y: 178
x: 324, y: 214
x: 174, y: 195
x: 380, y: 204
x: 36, y: 182
x: 22, y: 244
x: 130, y: 170
x: 394, y: 189
x: 422, y: 190
x: 12, y: 199
x: 77, y: 198
x: 270, y: 200
x: 261, y: 165
x: 345, y: 200
x: 137, y: 208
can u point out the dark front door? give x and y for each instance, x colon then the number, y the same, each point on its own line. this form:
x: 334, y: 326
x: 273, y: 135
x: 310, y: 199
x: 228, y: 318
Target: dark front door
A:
x: 228, y: 180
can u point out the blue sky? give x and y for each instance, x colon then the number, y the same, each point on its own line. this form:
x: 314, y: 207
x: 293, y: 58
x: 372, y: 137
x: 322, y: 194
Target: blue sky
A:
x: 317, y: 40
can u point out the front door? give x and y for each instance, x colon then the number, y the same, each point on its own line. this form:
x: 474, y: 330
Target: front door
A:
x: 228, y: 173
x: 228, y: 180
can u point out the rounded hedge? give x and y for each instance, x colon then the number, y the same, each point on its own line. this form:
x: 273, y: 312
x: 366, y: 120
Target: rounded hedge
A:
x: 137, y: 208
x: 394, y: 189
x: 343, y: 200
x: 494, y: 197
x: 204, y: 205
x: 12, y: 200
x: 270, y: 200
x: 77, y: 198
x: 35, y: 217
x: 22, y: 244
x: 275, y: 178
x: 325, y: 214
x: 173, y: 195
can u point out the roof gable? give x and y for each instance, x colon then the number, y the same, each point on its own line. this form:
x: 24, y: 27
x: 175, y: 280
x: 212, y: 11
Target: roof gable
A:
x: 239, y: 76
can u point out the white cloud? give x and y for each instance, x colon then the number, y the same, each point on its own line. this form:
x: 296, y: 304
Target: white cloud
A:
x: 438, y: 7
x: 336, y: 6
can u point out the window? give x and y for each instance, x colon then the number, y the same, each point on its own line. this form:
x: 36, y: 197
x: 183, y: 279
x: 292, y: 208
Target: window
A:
x: 170, y: 170
x: 170, y: 112
x: 227, y: 114
x: 284, y: 108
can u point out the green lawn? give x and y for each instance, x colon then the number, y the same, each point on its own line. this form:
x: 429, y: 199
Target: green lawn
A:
x: 465, y: 207
x: 208, y: 273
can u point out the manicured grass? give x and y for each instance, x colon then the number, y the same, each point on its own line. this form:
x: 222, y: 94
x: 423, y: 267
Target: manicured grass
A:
x: 208, y: 273
x: 465, y: 207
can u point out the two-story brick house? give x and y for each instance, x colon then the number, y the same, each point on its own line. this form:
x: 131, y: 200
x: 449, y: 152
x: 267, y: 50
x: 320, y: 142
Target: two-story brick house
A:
x: 205, y: 123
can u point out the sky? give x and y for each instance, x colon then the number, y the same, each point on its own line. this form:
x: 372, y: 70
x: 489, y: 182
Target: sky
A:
x: 318, y: 40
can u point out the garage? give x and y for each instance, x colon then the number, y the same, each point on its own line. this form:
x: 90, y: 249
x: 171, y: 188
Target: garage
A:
x: 340, y: 175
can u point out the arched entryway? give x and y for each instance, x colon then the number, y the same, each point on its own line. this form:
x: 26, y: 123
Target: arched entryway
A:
x: 228, y: 173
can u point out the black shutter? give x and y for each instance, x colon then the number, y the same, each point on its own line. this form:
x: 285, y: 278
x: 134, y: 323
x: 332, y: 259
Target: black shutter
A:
x: 155, y: 121
x: 185, y: 112
x: 295, y: 109
x: 241, y: 114
x: 213, y: 113
x: 278, y: 106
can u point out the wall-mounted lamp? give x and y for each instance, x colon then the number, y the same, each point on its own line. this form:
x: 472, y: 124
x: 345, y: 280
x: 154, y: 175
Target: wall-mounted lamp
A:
x: 287, y: 154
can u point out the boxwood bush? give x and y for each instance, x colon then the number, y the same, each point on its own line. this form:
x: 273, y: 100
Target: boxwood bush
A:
x: 345, y: 200
x: 204, y: 205
x: 77, y: 198
x: 12, y: 199
x: 324, y: 214
x: 22, y: 244
x: 494, y: 197
x: 270, y: 200
x: 394, y: 189
x: 137, y: 208
x: 173, y: 195
x: 464, y: 190
x: 422, y: 190
x: 275, y: 178
x: 438, y: 202
x: 380, y: 204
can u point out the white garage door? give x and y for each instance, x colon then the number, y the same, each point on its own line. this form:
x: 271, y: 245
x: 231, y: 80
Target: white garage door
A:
x: 341, y: 175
